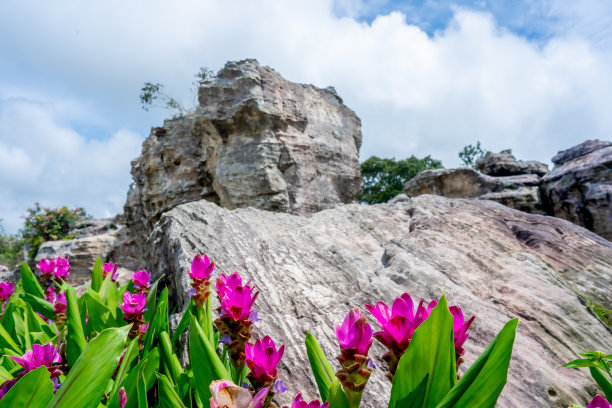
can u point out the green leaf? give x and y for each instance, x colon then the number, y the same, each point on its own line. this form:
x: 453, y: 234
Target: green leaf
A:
x: 170, y: 359
x: 482, y: 383
x: 321, y: 368
x: 131, y: 352
x: 432, y: 352
x: 7, y: 342
x: 337, y: 397
x: 87, y: 380
x: 29, y: 283
x: 142, y: 390
x: 184, y: 323
x: 603, y: 382
x: 75, y: 339
x: 148, y: 365
x: 209, y: 367
x: 168, y: 398
x: 581, y: 362
x: 39, y: 305
x: 416, y: 398
x: 97, y: 275
x: 152, y: 301
x: 34, y: 390
x: 99, y: 315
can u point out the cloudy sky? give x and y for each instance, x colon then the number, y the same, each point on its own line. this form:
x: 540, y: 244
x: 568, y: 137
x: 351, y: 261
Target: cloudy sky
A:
x: 426, y: 77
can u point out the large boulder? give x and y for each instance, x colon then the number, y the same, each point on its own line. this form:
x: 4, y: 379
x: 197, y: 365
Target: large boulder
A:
x: 520, y: 192
x: 495, y: 262
x: 579, y: 188
x: 255, y: 140
x: 505, y: 164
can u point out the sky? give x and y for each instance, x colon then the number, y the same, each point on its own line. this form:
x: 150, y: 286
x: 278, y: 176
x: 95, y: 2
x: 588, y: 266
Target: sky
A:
x: 425, y: 77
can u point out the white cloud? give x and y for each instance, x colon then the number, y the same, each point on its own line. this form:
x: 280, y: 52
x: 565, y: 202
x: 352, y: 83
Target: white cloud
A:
x: 41, y: 160
x: 415, y: 93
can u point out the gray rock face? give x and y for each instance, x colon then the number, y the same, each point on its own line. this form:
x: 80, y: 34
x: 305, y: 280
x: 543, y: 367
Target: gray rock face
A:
x: 579, y: 188
x: 494, y: 262
x: 520, y: 192
x: 505, y: 164
x: 256, y: 140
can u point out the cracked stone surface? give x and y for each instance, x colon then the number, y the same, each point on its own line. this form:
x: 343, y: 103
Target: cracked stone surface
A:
x: 494, y: 262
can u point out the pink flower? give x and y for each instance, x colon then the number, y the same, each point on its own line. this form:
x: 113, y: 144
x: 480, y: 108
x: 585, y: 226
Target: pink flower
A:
x: 133, y: 306
x: 46, y: 266
x: 6, y: 290
x: 460, y: 327
x: 141, y: 279
x: 40, y: 356
x: 399, y: 322
x: 262, y: 358
x: 60, y: 304
x: 236, y: 299
x: 226, y: 394
x: 599, y: 402
x: 122, y: 397
x: 355, y: 333
x: 144, y: 327
x: 62, y: 268
x: 50, y: 294
x: 201, y: 268
x: 298, y: 402
x: 110, y: 268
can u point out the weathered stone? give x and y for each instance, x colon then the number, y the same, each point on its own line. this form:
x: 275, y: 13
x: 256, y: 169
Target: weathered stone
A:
x: 84, y: 250
x: 255, y: 140
x: 505, y: 164
x: 579, y: 188
x: 493, y: 261
x: 520, y: 192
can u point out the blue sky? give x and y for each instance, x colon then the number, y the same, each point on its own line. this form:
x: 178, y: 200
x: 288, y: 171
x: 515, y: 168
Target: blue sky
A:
x: 426, y: 77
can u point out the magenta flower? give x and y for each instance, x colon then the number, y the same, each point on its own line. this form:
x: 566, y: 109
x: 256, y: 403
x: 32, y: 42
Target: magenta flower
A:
x: 50, y: 294
x: 236, y: 299
x: 398, y: 324
x: 599, y: 402
x: 201, y: 268
x: 122, y: 397
x: 263, y: 358
x: 40, y: 356
x: 226, y: 394
x: 62, y: 268
x: 110, y: 268
x: 298, y: 402
x: 460, y: 327
x: 60, y: 304
x: 141, y: 279
x: 46, y: 266
x: 355, y: 333
x: 133, y: 306
x: 6, y: 290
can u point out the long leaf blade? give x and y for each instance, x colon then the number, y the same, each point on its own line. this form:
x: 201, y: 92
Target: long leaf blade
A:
x: 34, y: 390
x: 321, y: 368
x: 29, y: 283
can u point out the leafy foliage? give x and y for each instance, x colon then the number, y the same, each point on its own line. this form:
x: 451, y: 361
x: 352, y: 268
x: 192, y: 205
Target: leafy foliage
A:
x: 152, y: 94
x: 11, y: 249
x: 383, y: 179
x: 46, y: 224
x: 470, y: 154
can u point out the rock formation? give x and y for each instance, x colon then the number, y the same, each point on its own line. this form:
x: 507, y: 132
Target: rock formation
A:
x: 579, y: 188
x: 256, y: 140
x: 495, y: 262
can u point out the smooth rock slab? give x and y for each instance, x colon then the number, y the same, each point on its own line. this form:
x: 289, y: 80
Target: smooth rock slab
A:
x: 492, y: 261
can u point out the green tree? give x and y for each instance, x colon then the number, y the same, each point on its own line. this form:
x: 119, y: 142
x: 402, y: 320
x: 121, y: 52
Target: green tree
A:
x: 46, y: 224
x: 11, y: 249
x: 152, y: 94
x: 470, y: 154
x: 383, y: 179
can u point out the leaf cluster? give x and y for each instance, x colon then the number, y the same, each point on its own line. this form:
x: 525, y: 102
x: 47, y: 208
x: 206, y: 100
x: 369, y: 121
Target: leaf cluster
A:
x: 383, y: 179
x: 470, y: 154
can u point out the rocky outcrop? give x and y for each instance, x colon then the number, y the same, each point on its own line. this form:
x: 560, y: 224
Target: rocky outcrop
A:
x: 520, y: 192
x: 579, y: 188
x: 495, y: 262
x: 505, y: 164
x: 256, y: 140
x: 93, y: 239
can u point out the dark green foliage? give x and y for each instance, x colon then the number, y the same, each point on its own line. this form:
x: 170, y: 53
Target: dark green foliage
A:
x: 11, y: 249
x: 470, y: 154
x: 604, y: 314
x: 383, y: 179
x: 46, y: 224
